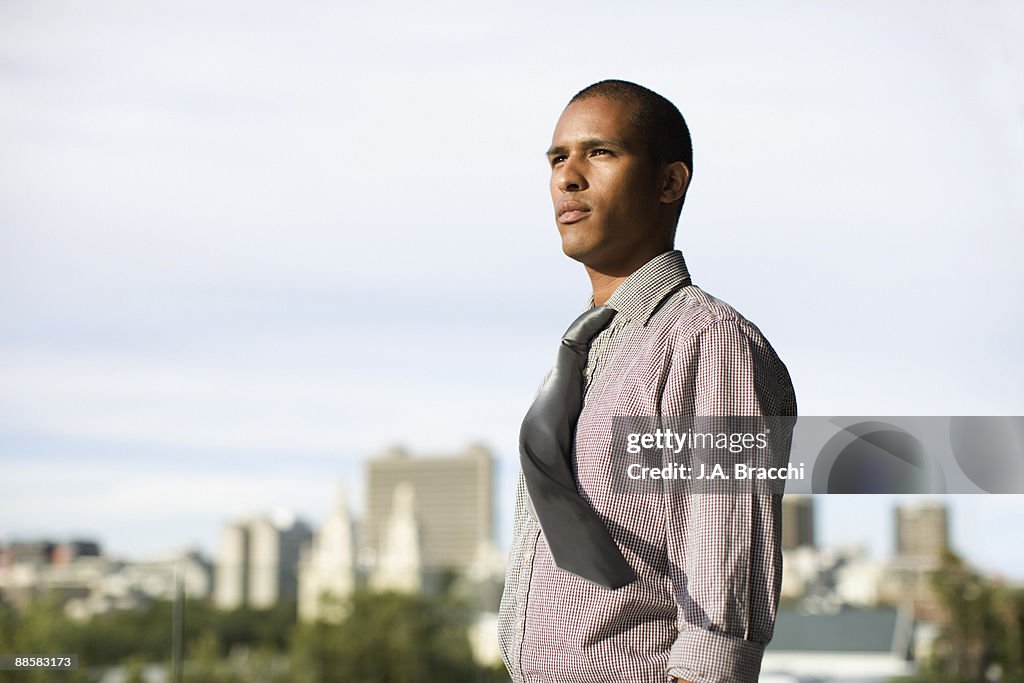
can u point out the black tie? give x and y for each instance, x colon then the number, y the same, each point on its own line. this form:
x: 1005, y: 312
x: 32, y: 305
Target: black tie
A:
x: 578, y: 539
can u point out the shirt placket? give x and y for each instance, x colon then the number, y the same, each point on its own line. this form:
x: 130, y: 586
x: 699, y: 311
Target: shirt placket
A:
x: 532, y: 537
x: 599, y: 349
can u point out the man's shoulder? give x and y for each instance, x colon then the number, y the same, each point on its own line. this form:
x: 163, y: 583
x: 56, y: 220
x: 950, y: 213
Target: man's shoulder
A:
x: 704, y: 334
x: 692, y: 312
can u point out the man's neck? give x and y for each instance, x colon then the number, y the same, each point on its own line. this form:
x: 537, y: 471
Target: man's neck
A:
x: 604, y: 285
x: 605, y: 281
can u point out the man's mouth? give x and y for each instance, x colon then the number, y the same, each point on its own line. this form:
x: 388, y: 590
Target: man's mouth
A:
x: 570, y: 211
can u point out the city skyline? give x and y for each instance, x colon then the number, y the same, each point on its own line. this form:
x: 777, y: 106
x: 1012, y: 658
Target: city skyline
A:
x: 875, y: 521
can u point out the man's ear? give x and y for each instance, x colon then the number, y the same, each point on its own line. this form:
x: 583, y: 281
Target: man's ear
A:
x: 675, y: 179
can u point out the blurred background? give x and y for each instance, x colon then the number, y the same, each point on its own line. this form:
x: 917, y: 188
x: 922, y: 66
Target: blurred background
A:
x: 277, y: 284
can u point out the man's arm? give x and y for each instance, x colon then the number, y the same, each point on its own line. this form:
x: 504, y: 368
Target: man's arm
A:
x: 724, y: 548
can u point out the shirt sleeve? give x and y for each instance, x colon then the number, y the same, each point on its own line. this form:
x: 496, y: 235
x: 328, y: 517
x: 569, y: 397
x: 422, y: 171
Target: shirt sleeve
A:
x: 724, y: 549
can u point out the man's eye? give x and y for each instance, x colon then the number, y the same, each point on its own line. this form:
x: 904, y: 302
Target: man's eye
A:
x: 557, y: 160
x: 599, y: 152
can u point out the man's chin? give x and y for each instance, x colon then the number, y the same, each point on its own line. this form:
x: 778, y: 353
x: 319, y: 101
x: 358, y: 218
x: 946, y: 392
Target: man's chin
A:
x: 577, y: 252
x: 592, y: 253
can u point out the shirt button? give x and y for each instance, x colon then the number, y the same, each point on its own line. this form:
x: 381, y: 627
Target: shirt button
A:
x: 528, y: 555
x: 519, y: 627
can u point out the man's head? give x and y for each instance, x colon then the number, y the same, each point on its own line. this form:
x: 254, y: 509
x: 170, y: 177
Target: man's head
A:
x: 621, y: 161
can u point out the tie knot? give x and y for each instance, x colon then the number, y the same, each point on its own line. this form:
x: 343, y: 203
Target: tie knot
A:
x: 586, y: 327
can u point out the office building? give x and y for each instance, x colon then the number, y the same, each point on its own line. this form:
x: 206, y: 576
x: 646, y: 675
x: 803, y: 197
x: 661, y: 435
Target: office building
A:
x: 797, y: 521
x: 922, y: 539
x: 327, y: 573
x: 450, y: 500
x: 922, y: 532
x: 399, y: 564
x: 257, y: 565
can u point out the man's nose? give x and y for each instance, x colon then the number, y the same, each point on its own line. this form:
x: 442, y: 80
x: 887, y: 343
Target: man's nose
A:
x: 569, y: 176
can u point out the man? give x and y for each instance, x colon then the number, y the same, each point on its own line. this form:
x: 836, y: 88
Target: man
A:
x: 608, y: 587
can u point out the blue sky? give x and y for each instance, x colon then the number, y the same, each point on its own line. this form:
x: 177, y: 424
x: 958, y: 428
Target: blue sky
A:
x: 245, y: 246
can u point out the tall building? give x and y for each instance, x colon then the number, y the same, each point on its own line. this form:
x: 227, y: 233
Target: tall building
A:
x: 231, y: 586
x: 922, y: 532
x: 451, y: 501
x: 399, y: 566
x: 922, y: 537
x: 797, y: 521
x: 327, y: 572
x: 258, y: 562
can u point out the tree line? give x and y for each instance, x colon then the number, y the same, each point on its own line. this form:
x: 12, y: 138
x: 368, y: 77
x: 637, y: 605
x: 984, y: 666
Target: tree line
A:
x: 383, y: 638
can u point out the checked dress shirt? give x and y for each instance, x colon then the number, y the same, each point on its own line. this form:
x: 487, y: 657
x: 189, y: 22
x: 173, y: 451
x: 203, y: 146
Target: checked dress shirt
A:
x: 709, y: 566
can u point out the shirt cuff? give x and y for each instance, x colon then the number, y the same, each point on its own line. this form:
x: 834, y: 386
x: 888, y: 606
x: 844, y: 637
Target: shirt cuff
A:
x: 703, y: 656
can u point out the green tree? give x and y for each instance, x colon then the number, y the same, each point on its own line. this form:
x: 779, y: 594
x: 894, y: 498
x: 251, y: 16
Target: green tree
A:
x: 981, y: 632
x: 135, y: 669
x: 41, y: 628
x: 130, y: 638
x: 389, y: 638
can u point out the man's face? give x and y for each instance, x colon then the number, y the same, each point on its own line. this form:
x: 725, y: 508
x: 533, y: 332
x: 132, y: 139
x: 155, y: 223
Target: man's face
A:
x: 604, y: 185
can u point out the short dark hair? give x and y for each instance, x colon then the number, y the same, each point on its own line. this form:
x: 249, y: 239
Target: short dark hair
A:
x: 657, y: 119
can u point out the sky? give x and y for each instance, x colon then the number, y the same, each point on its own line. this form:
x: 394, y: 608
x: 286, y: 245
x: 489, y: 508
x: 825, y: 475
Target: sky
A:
x: 245, y: 246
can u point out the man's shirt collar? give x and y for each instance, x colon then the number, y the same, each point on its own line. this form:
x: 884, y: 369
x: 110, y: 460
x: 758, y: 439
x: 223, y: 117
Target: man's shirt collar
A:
x: 641, y: 293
